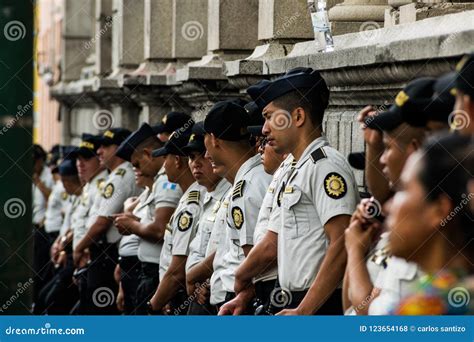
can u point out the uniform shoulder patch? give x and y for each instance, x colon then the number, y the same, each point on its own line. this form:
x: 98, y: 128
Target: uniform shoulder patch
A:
x: 193, y: 197
x: 185, y: 220
x: 238, y: 189
x: 238, y: 217
x: 318, y: 155
x: 108, y: 190
x: 100, y: 184
x: 64, y: 195
x: 121, y: 172
x: 335, y: 185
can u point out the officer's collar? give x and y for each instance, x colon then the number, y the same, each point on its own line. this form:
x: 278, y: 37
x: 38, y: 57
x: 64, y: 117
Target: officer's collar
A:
x: 247, y: 166
x: 101, y: 174
x: 124, y: 165
x: 317, y: 143
x: 220, y: 190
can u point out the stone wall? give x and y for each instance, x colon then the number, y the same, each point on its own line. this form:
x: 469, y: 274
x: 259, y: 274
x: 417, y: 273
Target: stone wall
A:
x: 143, y: 58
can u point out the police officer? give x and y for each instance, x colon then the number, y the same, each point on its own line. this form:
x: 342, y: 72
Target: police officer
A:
x: 315, y: 200
x: 393, y: 277
x: 101, y: 237
x: 181, y: 229
x: 217, y: 187
x: 264, y: 283
x: 59, y: 201
x: 60, y: 294
x: 92, y: 176
x: 41, y: 189
x: 154, y: 208
x: 233, y: 157
x: 171, y: 122
x: 464, y: 90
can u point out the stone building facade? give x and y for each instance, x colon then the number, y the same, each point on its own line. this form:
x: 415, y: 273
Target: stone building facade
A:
x: 128, y: 61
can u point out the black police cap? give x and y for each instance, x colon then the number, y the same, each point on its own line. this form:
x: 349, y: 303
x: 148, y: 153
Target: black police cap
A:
x: 307, y: 80
x: 196, y: 140
x: 441, y: 104
x: 68, y: 167
x: 129, y: 145
x: 114, y: 136
x: 227, y: 121
x: 88, y: 147
x: 172, y: 121
x: 411, y: 101
x: 465, y: 75
x: 357, y: 160
x: 175, y: 144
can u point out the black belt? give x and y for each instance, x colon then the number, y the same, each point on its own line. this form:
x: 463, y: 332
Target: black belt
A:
x: 150, y: 269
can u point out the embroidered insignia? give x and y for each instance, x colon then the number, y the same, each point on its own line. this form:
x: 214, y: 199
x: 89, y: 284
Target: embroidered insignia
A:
x: 64, y: 195
x: 108, y: 190
x: 193, y: 197
x: 238, y: 189
x: 109, y: 134
x: 335, y: 185
x: 100, y: 184
x: 401, y: 98
x: 185, y: 220
x: 121, y: 172
x: 238, y: 217
x: 381, y: 256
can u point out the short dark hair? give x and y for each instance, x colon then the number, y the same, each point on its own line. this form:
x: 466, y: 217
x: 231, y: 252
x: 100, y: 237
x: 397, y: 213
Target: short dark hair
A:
x: 39, y: 153
x: 446, y: 165
x: 313, y: 102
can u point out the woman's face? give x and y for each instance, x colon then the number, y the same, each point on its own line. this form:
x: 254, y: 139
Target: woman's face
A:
x: 410, y: 217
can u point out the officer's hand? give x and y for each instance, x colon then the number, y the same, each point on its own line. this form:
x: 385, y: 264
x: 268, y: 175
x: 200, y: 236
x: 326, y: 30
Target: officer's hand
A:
x: 289, y: 312
x: 203, y: 294
x: 372, y: 137
x: 120, y: 300
x: 234, y: 307
x: 85, y: 258
x: 77, y: 255
x: 359, y: 237
x: 360, y: 212
x: 123, y: 223
x: 61, y: 260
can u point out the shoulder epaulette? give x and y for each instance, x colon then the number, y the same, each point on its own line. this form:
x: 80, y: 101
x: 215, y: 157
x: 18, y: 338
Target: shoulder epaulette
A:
x: 100, y: 183
x: 318, y: 155
x: 193, y: 197
x: 121, y: 172
x: 238, y: 189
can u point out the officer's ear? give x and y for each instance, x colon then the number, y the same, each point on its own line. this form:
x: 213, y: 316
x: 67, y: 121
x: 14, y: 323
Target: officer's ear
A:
x: 299, y: 116
x: 147, y: 153
x: 215, y: 141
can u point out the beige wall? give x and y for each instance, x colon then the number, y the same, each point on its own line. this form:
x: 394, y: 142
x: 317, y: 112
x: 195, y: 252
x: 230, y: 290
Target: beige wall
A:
x: 47, y: 129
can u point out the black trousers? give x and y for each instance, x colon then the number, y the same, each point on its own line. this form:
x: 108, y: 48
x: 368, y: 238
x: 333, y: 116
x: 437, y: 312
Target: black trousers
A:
x: 101, y: 286
x: 148, y: 281
x: 82, y: 306
x: 42, y: 266
x: 60, y: 294
x: 130, y: 268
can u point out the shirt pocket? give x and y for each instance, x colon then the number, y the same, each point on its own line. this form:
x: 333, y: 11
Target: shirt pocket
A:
x: 295, y: 219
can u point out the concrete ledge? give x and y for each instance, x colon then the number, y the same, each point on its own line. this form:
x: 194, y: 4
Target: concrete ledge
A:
x: 440, y: 37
